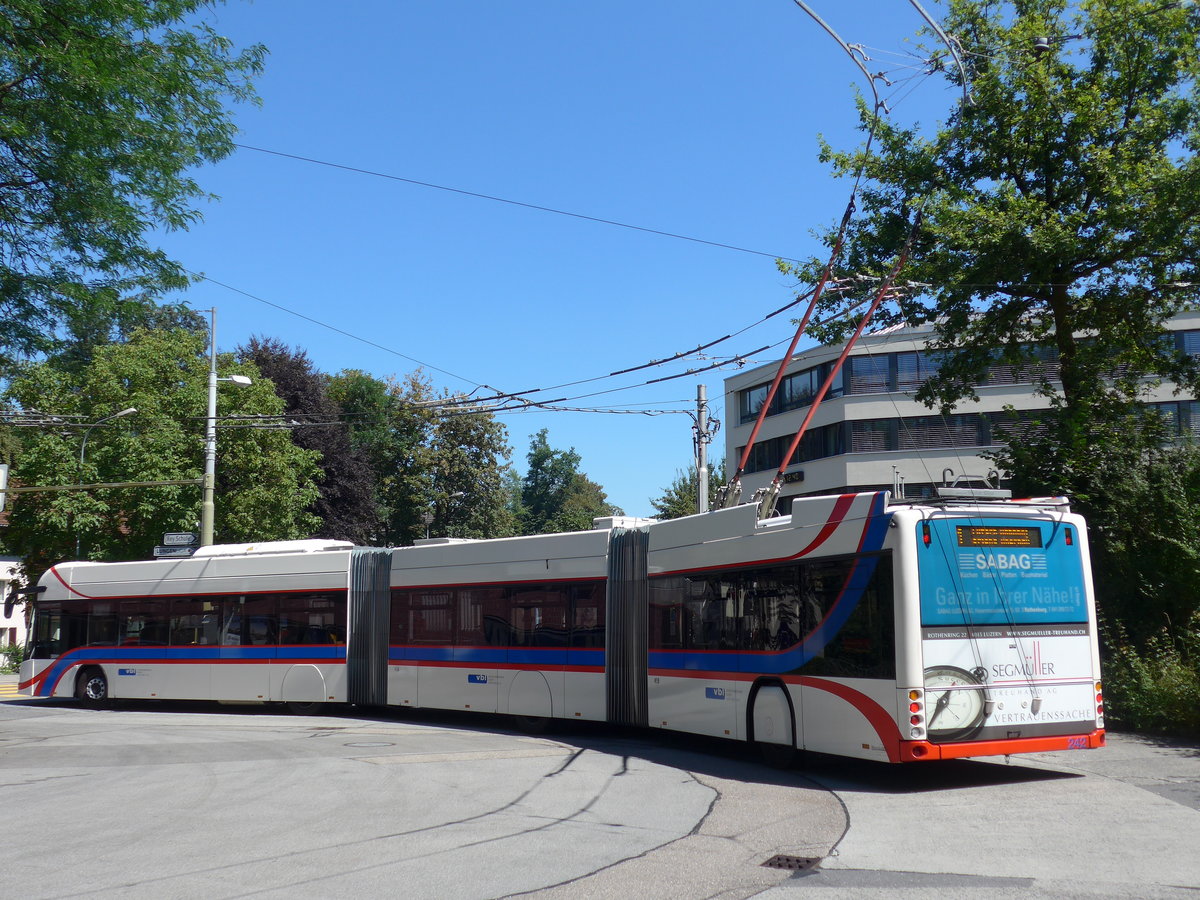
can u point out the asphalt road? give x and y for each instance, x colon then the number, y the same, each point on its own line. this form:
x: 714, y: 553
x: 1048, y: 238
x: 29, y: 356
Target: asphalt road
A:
x: 199, y: 800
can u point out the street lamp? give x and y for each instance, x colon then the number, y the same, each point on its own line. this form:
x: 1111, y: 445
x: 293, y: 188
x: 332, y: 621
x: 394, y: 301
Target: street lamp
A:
x: 129, y: 411
x: 210, y: 435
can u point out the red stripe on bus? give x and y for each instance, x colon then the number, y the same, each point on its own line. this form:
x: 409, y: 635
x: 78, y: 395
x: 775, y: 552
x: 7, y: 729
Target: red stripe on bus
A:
x: 878, y: 717
x: 840, y: 510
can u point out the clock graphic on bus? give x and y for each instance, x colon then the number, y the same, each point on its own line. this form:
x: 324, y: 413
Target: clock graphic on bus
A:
x: 954, y: 701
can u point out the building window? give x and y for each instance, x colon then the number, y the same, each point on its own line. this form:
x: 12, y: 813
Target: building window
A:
x: 818, y: 443
x: 1189, y: 342
x: 796, y: 391
x: 928, y: 432
x: 873, y: 435
x: 751, y: 401
x: 870, y: 374
x: 913, y: 370
x: 1039, y: 364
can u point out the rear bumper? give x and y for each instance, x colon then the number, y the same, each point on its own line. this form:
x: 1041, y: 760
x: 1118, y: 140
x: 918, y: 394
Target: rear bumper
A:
x: 921, y: 751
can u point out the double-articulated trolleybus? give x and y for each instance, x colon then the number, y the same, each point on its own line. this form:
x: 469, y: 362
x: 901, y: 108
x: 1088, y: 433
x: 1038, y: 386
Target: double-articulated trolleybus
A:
x: 858, y: 626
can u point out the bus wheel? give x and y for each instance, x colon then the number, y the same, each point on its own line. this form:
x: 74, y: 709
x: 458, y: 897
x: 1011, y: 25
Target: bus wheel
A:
x: 532, y: 724
x: 305, y: 707
x: 92, y: 687
x: 777, y: 756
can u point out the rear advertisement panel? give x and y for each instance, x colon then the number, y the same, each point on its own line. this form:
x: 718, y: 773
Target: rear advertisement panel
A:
x: 1005, y: 629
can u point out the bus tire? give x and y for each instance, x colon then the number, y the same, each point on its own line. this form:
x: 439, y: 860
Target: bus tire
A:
x: 305, y: 707
x: 772, y: 724
x: 777, y: 756
x: 532, y: 724
x: 92, y: 687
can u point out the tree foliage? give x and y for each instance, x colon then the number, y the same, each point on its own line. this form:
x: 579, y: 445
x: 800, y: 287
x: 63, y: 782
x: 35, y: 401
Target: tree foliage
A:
x: 1061, y: 228
x: 1061, y: 203
x: 346, y: 504
x: 680, y: 499
x: 434, y: 458
x: 107, y: 107
x: 264, y: 482
x: 555, y: 495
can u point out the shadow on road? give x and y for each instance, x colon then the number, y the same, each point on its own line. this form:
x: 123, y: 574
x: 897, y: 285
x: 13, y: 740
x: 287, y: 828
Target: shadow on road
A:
x: 734, y: 760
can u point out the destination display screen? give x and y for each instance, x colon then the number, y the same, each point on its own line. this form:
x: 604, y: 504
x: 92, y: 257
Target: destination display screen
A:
x: 998, y: 536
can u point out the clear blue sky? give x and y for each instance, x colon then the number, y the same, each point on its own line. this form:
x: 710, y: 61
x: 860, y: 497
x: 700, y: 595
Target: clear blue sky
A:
x: 698, y: 118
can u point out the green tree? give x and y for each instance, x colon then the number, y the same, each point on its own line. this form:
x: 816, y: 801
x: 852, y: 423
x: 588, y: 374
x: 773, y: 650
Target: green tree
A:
x: 470, y: 470
x: 107, y: 108
x: 264, y: 482
x: 679, y: 499
x: 433, y: 456
x: 346, y: 504
x: 555, y: 495
x: 406, y: 476
x: 1061, y: 215
x: 1060, y: 229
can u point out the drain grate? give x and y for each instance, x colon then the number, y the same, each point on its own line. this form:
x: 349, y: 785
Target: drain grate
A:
x: 792, y: 863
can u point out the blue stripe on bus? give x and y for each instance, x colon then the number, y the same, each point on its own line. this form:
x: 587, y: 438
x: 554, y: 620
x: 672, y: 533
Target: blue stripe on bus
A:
x: 878, y: 520
x: 335, y: 653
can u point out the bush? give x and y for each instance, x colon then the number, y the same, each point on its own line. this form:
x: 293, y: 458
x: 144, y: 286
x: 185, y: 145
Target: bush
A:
x: 1156, y: 688
x: 10, y: 658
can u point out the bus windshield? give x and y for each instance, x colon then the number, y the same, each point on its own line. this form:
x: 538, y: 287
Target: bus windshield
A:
x: 993, y: 571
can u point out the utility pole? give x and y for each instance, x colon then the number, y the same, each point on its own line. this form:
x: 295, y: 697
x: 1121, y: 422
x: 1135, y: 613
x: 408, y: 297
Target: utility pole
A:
x: 209, y: 482
x: 702, y: 440
x: 207, y: 506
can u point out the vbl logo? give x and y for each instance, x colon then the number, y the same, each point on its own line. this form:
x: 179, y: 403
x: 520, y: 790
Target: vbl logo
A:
x: 714, y: 693
x: 126, y: 671
x: 476, y: 679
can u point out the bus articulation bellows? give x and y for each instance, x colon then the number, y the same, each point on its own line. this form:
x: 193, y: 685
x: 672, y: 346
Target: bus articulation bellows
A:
x: 856, y: 626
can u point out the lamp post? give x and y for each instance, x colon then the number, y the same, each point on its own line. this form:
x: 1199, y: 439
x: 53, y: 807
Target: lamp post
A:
x: 129, y: 411
x: 207, y: 506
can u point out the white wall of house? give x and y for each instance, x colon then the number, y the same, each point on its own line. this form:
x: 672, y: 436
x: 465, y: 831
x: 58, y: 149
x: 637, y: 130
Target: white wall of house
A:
x: 12, y: 631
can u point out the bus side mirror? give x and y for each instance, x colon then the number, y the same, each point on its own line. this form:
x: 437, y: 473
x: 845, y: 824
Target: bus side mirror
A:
x: 15, y: 593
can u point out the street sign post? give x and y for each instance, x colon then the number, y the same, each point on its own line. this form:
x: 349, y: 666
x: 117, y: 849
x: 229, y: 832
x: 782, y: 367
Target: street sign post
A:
x: 180, y: 538
x: 161, y: 552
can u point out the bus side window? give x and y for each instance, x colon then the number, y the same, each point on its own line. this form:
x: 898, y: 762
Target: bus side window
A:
x: 194, y: 622
x: 587, y: 616
x: 143, y: 622
x: 102, y: 625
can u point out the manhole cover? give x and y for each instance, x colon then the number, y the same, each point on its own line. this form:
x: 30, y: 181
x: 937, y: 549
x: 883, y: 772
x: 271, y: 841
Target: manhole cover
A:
x: 372, y: 744
x: 792, y: 863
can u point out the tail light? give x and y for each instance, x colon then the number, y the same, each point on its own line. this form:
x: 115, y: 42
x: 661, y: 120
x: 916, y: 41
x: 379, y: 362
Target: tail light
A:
x: 916, y: 717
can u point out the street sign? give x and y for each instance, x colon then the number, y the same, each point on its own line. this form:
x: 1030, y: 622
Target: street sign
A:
x: 180, y: 538
x: 161, y: 552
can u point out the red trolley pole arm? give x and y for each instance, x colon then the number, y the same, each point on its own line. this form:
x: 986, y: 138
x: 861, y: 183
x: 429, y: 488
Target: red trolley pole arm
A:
x: 733, y: 489
x: 772, y: 492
